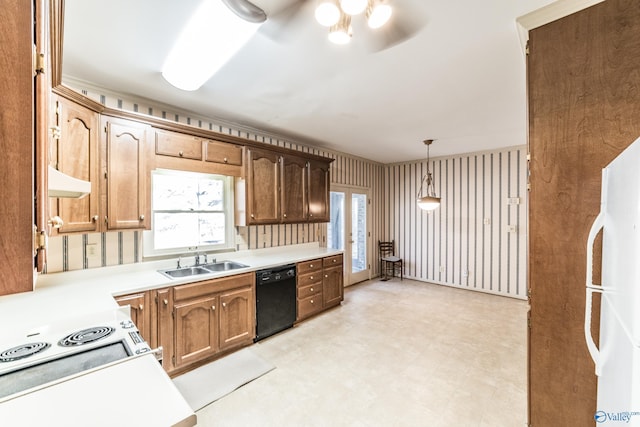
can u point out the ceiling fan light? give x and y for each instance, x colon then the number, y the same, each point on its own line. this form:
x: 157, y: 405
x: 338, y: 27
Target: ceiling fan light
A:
x: 327, y: 13
x: 341, y: 32
x: 353, y: 7
x: 378, y: 13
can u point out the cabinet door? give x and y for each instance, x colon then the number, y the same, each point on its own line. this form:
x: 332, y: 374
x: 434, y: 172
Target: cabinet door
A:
x: 262, y: 187
x: 236, y: 317
x: 139, y: 311
x: 318, y: 191
x: 126, y: 175
x: 196, y: 330
x: 332, y: 289
x: 162, y: 326
x: 293, y: 194
x: 77, y: 156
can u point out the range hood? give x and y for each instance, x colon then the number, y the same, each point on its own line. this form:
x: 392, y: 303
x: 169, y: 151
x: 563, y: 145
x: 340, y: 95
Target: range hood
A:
x: 62, y: 185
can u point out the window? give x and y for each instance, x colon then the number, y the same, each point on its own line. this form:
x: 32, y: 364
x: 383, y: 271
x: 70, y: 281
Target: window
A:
x: 190, y: 211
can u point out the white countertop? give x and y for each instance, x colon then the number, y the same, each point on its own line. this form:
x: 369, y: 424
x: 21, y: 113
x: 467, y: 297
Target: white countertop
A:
x: 111, y: 396
x: 74, y: 293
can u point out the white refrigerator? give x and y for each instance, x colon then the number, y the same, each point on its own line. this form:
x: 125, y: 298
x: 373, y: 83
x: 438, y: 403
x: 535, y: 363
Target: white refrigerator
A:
x: 617, y: 355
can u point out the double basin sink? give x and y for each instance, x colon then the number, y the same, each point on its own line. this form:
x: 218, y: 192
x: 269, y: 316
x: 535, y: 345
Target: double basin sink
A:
x: 196, y: 270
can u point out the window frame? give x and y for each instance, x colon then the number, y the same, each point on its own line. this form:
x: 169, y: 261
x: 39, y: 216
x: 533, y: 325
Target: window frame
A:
x: 148, y: 245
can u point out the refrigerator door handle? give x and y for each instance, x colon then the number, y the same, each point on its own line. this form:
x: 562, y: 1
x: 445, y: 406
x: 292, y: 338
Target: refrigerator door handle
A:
x: 591, y: 288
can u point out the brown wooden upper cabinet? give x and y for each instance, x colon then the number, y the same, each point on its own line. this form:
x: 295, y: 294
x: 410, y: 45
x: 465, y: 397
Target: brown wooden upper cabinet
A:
x: 115, y: 166
x: 282, y: 188
x: 125, y: 175
x: 293, y: 186
x: 182, y: 151
x: 318, y: 193
x: 75, y: 152
x: 262, y: 187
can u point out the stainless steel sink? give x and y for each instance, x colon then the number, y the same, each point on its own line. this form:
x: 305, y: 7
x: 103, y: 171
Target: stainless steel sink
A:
x: 184, y: 272
x: 224, y: 266
x: 214, y: 267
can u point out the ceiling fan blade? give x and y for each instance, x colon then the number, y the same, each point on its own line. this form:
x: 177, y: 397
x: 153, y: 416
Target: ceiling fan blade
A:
x: 403, y: 25
x: 246, y: 10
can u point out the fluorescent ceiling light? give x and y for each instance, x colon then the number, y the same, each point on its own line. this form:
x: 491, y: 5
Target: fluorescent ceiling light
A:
x: 212, y: 36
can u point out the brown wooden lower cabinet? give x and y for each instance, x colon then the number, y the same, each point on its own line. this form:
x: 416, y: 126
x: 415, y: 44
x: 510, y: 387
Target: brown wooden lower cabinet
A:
x: 139, y: 311
x: 320, y: 285
x: 196, y: 322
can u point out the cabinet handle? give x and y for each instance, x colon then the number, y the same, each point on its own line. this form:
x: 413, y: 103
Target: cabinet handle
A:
x: 180, y: 153
x: 311, y: 301
x: 213, y: 307
x: 224, y: 304
x: 95, y: 218
x: 251, y: 215
x: 141, y: 307
x: 56, y: 222
x: 225, y: 160
x: 165, y: 302
x: 285, y: 215
x: 311, y: 278
x: 310, y: 265
x: 326, y: 275
x: 141, y: 217
x: 335, y: 260
x: 310, y: 214
x: 311, y: 289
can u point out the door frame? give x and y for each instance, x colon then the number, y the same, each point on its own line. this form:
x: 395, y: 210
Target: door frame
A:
x: 349, y: 277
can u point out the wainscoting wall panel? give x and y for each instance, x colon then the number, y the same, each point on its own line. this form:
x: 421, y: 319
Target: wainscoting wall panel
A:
x: 476, y: 239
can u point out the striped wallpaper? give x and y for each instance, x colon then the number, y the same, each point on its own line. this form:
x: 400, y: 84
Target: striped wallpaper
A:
x: 476, y: 239
x: 454, y: 238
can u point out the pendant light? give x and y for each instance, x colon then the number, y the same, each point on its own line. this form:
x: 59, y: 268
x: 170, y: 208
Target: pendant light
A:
x: 429, y: 201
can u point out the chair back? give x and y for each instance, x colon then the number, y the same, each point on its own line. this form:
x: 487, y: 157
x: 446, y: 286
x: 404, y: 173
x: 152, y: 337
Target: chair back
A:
x: 386, y: 248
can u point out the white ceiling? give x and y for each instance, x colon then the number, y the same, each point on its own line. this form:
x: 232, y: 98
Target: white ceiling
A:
x: 459, y: 80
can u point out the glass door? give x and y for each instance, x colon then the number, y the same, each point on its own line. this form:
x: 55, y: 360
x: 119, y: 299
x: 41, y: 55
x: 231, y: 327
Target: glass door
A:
x: 348, y: 231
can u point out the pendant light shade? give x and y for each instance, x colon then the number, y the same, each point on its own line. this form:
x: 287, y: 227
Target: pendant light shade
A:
x: 429, y: 201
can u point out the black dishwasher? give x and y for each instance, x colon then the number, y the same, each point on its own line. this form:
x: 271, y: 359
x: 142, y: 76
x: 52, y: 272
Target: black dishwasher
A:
x: 275, y: 300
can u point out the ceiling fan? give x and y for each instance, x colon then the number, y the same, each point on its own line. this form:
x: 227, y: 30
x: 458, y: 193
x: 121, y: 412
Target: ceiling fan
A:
x: 390, y: 22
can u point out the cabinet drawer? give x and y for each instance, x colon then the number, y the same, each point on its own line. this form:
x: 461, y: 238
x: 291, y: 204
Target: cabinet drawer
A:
x: 309, y: 278
x: 178, y: 145
x: 310, y: 290
x: 308, y: 306
x: 332, y: 260
x: 222, y: 152
x: 309, y: 266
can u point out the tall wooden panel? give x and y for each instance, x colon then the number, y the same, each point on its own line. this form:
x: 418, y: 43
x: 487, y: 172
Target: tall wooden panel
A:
x: 584, y: 105
x: 17, y: 147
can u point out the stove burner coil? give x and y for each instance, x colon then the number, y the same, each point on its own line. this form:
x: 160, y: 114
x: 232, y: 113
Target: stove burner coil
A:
x: 23, y: 351
x: 86, y: 336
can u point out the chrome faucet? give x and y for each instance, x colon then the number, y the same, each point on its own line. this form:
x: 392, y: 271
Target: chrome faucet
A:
x: 179, y: 266
x: 197, y: 258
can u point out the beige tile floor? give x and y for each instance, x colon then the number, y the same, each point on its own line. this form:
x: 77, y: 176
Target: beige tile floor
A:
x: 394, y: 354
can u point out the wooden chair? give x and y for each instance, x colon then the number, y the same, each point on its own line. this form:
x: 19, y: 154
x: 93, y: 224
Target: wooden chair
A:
x: 389, y: 260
